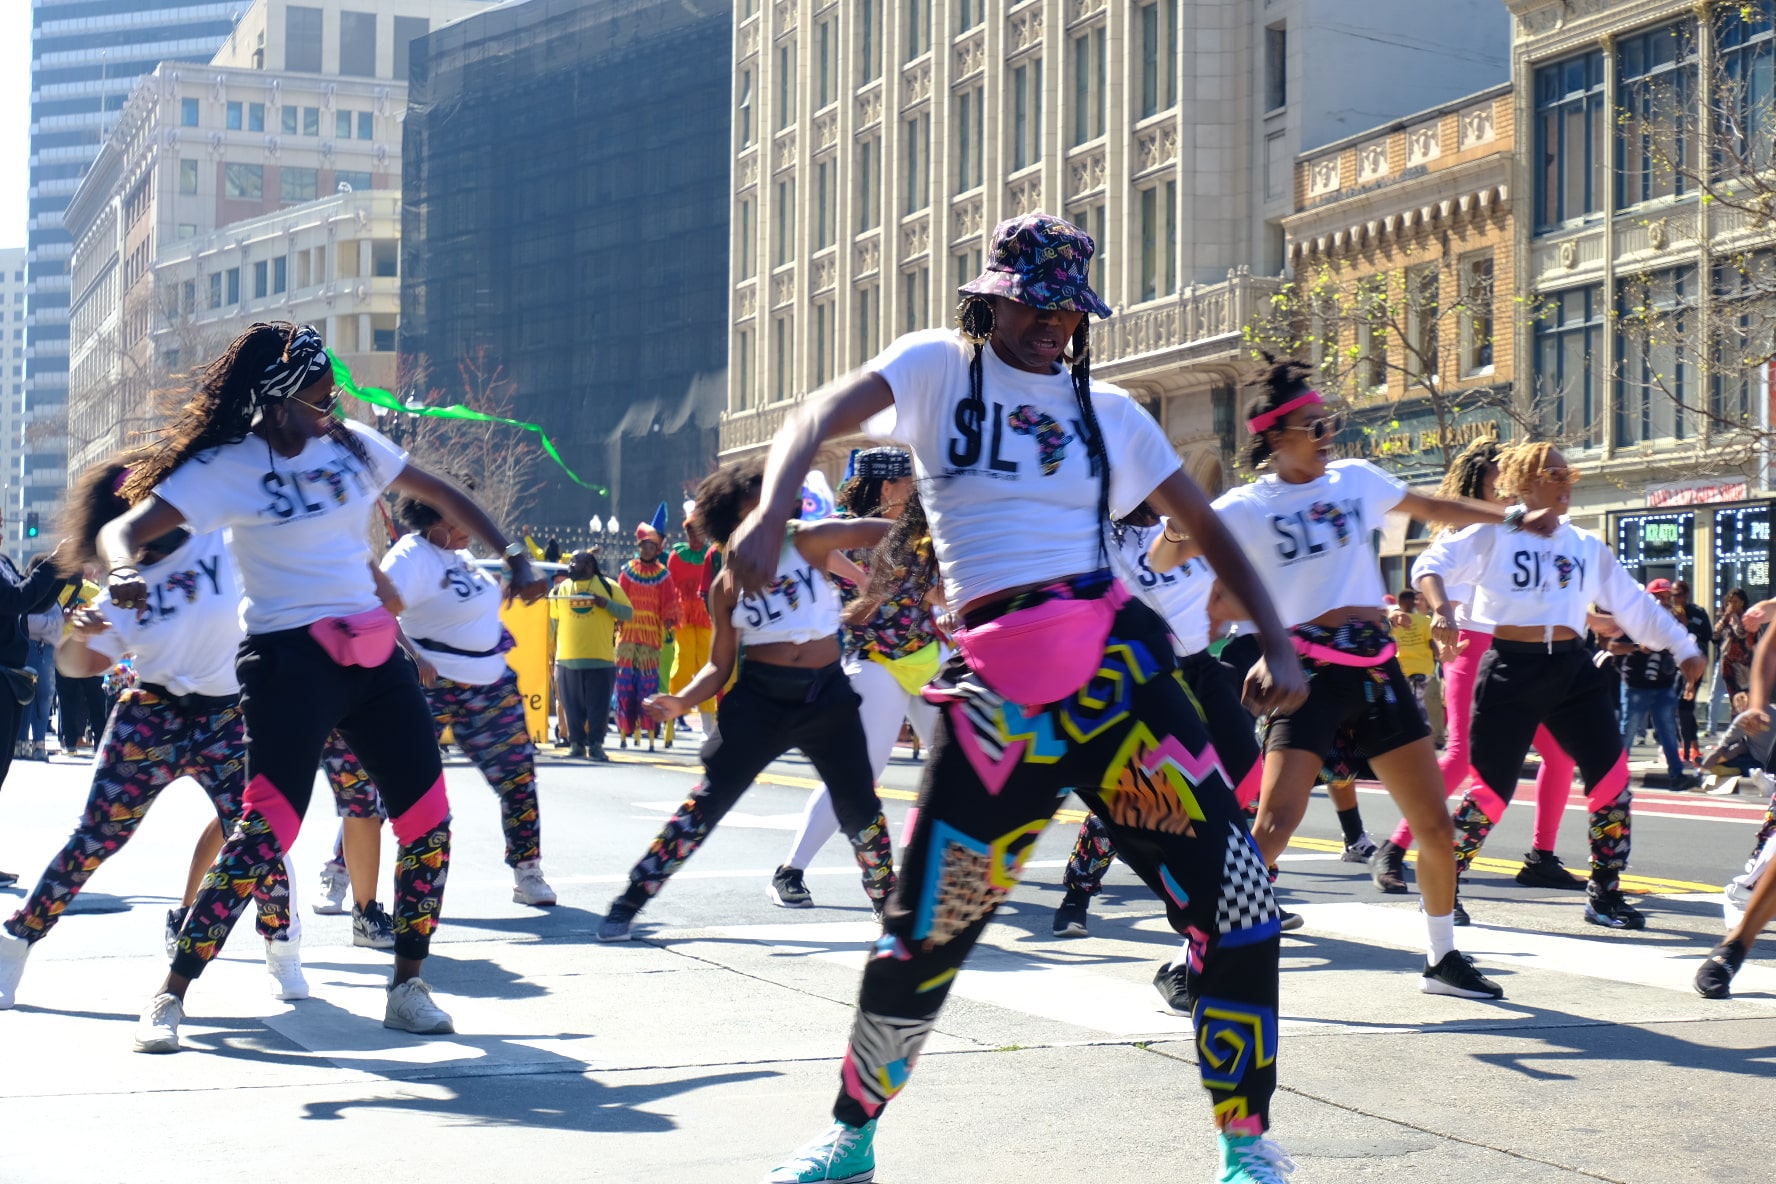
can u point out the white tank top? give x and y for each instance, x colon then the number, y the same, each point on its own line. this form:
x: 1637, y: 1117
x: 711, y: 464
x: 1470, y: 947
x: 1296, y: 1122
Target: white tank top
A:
x: 800, y: 605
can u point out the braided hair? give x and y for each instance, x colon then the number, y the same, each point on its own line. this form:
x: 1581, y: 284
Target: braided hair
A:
x: 1467, y: 476
x: 859, y: 497
x: 221, y: 406
x: 974, y: 317
x: 1281, y: 380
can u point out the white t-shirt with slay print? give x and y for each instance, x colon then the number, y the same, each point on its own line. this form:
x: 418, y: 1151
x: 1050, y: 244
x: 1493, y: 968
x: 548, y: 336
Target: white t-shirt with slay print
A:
x: 1010, y: 493
x: 1180, y: 595
x: 1313, y: 544
x: 446, y: 597
x: 300, y: 524
x: 186, y: 638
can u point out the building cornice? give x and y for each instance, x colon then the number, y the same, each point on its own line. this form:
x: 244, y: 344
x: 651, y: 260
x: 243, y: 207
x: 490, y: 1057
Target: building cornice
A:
x: 1470, y: 190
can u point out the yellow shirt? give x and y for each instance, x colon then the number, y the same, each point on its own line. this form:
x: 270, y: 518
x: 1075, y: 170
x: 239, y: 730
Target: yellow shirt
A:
x: 585, y: 635
x: 1414, y: 642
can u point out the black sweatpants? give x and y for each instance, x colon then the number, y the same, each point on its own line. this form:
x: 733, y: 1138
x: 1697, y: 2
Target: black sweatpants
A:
x: 585, y: 703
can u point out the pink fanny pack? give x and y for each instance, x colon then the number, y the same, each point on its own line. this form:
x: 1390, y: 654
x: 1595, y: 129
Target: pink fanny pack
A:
x: 1043, y: 654
x: 362, y: 639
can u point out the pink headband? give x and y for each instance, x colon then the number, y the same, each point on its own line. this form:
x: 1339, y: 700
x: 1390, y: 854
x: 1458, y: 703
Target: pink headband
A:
x: 1264, y: 422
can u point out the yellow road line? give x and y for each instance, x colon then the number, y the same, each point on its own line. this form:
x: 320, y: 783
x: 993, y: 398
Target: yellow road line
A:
x: 1630, y: 883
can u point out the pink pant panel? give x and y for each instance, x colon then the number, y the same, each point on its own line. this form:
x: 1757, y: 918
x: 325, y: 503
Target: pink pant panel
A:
x: 1246, y: 792
x: 422, y: 817
x: 268, y: 801
x: 1613, y: 785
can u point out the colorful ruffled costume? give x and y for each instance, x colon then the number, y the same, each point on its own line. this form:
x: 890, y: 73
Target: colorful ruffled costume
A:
x: 654, y: 596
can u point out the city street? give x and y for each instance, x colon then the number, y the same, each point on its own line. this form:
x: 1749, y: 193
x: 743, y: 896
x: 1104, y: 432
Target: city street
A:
x: 708, y: 1047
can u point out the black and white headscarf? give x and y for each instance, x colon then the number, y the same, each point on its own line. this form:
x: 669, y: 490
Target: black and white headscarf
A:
x: 305, y: 359
x: 887, y: 464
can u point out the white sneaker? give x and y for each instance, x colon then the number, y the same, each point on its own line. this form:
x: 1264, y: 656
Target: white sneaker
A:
x: 410, y: 1009
x: 528, y: 885
x: 334, y: 885
x: 158, y: 1029
x: 13, y: 952
x: 283, y: 962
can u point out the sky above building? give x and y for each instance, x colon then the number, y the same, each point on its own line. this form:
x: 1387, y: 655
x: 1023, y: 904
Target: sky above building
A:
x: 15, y: 119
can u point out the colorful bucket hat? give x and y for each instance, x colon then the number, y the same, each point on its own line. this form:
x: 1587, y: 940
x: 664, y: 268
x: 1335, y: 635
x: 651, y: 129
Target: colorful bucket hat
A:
x: 1042, y: 261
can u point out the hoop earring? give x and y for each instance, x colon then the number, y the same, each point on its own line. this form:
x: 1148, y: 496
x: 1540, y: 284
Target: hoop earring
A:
x: 974, y: 317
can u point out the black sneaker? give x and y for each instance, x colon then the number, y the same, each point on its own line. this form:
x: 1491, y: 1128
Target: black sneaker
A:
x: 597, y: 756
x: 1173, y: 985
x: 1458, y: 913
x: 789, y: 890
x: 1290, y: 921
x: 1387, y: 867
x: 1070, y: 917
x: 1543, y: 869
x: 371, y: 927
x: 1606, y: 907
x: 617, y: 919
x: 1715, y: 979
x: 576, y: 753
x: 1457, y: 975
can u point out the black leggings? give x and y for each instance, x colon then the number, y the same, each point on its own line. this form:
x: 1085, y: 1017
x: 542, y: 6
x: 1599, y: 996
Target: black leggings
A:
x: 1687, y: 731
x: 585, y: 704
x: 771, y: 710
x: 1521, y: 686
x: 292, y: 695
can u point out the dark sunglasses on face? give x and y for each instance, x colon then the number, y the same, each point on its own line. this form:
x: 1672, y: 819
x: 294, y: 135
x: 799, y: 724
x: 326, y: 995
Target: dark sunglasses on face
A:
x: 325, y: 408
x: 1317, y: 429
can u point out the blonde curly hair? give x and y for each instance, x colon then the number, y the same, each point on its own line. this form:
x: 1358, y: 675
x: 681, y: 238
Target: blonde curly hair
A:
x: 1520, y: 465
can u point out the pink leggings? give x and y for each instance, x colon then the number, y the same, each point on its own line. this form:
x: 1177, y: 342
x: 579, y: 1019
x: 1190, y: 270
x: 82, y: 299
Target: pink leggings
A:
x: 1553, y: 783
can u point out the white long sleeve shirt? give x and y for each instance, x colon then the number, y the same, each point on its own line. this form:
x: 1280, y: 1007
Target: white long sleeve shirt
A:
x: 1520, y: 579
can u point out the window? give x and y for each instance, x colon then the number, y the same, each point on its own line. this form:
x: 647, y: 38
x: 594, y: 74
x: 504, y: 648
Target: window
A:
x: 385, y: 258
x: 743, y: 111
x: 782, y: 365
x: 785, y: 251
x: 916, y: 289
x: 311, y: 121
x: 350, y: 182
x: 1655, y: 128
x: 823, y: 343
x: 187, y: 230
x: 1091, y: 219
x: 918, y: 27
x: 298, y: 184
x: 970, y: 127
x: 255, y: 117
x: 743, y: 370
x: 261, y: 279
x: 869, y: 40
x: 964, y: 266
x: 1159, y: 240
x: 1276, y: 67
x: 188, y: 112
x: 916, y: 167
x: 826, y: 64
x: 345, y: 337
x: 187, y: 298
x: 302, y: 272
x: 302, y: 39
x: 1740, y: 340
x: 382, y: 332
x: 1656, y: 375
x: 1745, y: 94
x: 216, y: 290
x: 1090, y: 64
x: 869, y: 323
x: 357, y: 44
x: 245, y: 181
x: 235, y: 116
x: 1571, y: 140
x: 1026, y: 113
x: 970, y: 13
x: 786, y: 81
x: 869, y: 185
x: 1568, y: 345
x: 232, y: 276
x: 287, y: 117
x: 342, y: 125
x: 187, y: 176
x: 1476, y: 318
x: 407, y: 29
x: 280, y: 274
x: 366, y: 125
x: 1423, y: 311
x: 346, y: 260
x: 745, y: 242
x: 1372, y: 335
x: 825, y: 233
x: 1159, y: 56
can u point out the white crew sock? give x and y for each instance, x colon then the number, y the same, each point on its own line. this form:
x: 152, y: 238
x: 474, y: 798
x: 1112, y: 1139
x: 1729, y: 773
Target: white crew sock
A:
x: 1439, y: 937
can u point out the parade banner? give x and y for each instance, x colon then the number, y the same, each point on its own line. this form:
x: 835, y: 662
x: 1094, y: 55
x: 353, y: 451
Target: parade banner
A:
x: 529, y: 625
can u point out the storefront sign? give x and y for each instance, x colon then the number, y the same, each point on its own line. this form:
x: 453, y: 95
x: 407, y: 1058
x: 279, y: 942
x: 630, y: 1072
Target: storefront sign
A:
x: 1697, y: 493
x: 1408, y: 441
x: 1742, y: 551
x: 1655, y: 546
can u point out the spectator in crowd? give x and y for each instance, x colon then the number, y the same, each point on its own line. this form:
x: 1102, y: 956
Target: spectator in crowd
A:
x: 1418, y: 660
x: 44, y: 629
x: 1695, y: 619
x: 1651, y: 678
x: 1733, y: 640
x: 19, y: 596
x: 585, y: 609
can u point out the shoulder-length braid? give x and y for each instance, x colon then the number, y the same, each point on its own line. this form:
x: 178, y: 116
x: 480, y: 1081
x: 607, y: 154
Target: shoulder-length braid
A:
x: 93, y: 501
x: 220, y: 408
x: 1467, y: 476
x: 1520, y: 464
x: 906, y: 548
x: 1095, y: 448
x: 860, y: 497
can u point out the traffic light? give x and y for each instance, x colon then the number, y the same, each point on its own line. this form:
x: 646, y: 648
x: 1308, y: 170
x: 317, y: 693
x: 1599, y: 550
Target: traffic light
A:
x: 33, y: 527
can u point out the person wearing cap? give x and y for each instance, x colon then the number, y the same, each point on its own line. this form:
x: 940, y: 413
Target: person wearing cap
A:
x: 687, y: 563
x: 654, y: 598
x: 1060, y: 681
x: 1649, y: 677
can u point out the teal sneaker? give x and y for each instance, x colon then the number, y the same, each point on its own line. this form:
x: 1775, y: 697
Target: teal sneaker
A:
x: 841, y: 1154
x: 1251, y: 1159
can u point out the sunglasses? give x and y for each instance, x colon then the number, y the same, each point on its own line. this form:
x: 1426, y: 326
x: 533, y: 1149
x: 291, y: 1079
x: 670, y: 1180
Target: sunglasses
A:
x: 1318, y: 429
x: 1561, y: 476
x: 320, y: 408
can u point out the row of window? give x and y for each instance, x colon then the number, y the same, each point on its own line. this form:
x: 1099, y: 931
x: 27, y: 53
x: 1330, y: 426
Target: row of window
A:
x: 270, y: 277
x: 1649, y: 148
x: 293, y: 120
x: 246, y: 182
x: 304, y: 37
x: 1391, y: 327
x: 1154, y: 90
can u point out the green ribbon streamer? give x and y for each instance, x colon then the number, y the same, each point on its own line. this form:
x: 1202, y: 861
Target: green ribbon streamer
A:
x: 377, y: 397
